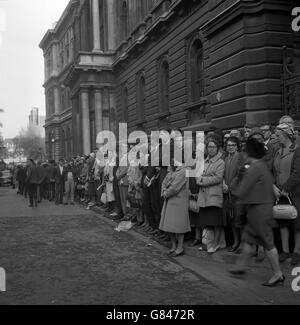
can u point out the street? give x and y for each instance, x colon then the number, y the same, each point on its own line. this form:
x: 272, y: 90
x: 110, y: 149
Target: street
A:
x: 68, y: 255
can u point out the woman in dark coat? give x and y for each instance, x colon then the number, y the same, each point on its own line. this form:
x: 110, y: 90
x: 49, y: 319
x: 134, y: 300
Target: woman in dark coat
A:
x: 233, y: 163
x: 255, y: 190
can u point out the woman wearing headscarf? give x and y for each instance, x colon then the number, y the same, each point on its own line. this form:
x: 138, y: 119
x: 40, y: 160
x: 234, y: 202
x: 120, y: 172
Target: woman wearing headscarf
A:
x: 255, y: 191
x: 210, y: 197
x: 175, y: 213
x: 286, y: 169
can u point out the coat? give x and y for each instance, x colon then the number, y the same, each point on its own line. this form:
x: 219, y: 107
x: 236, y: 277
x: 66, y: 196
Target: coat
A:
x: 121, y: 175
x: 60, y: 177
x: 108, y: 178
x: 232, y: 168
x: 292, y: 185
x: 175, y: 211
x: 32, y: 175
x: 256, y: 186
x: 41, y: 171
x: 211, y: 183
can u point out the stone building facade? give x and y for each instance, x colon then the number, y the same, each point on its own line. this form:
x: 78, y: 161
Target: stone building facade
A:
x: 154, y: 63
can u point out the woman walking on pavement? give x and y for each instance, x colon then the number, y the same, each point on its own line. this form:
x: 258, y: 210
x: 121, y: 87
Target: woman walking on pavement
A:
x: 255, y: 190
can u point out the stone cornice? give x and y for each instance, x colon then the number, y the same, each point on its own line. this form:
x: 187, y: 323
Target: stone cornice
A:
x: 240, y: 7
x: 47, y: 40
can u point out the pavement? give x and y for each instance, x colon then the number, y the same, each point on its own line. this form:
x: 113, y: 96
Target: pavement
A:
x: 70, y: 255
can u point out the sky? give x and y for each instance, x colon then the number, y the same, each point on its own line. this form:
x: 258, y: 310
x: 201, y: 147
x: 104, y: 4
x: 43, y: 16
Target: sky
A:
x: 23, y: 23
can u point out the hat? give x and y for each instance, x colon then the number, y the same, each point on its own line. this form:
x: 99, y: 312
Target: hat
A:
x: 287, y: 129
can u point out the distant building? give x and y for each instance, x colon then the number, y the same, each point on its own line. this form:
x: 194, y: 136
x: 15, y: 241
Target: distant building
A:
x: 153, y: 63
x: 36, y: 122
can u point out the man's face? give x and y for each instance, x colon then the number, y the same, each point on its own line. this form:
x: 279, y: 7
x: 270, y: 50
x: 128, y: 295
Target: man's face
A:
x: 247, y: 132
x: 266, y: 131
x: 231, y: 147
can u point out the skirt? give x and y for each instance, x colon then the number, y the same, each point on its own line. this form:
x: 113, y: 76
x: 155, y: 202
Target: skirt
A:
x: 211, y: 217
x: 259, y: 225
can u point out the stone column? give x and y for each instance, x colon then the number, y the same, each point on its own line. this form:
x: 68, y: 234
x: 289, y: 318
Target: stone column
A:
x: 106, y: 106
x: 86, y: 136
x: 111, y: 24
x: 56, y: 101
x: 96, y: 26
x: 112, y: 112
x: 98, y: 111
x: 54, y: 59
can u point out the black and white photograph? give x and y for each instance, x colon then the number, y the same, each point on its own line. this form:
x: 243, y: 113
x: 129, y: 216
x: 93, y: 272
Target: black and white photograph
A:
x: 150, y: 155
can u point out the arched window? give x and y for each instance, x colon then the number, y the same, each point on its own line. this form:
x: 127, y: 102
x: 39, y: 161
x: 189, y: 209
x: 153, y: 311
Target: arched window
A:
x: 141, y: 96
x: 124, y: 20
x: 197, y: 70
x: 164, y: 85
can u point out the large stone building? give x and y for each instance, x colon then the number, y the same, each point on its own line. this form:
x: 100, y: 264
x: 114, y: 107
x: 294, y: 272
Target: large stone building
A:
x: 186, y: 63
x: 36, y: 123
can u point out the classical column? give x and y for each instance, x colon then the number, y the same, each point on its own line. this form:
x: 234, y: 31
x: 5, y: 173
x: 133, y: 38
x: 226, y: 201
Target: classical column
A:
x: 56, y: 100
x: 106, y: 106
x: 96, y: 25
x: 112, y: 112
x: 111, y: 24
x: 86, y: 136
x: 98, y: 111
x: 54, y: 59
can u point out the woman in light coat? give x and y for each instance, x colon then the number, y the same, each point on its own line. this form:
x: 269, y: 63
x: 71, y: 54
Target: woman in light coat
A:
x: 210, y: 197
x: 175, y: 213
x: 108, y: 176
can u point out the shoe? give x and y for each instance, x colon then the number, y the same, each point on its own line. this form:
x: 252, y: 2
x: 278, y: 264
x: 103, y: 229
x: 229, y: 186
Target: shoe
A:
x: 171, y: 251
x: 176, y: 254
x: 196, y: 242
x: 279, y: 281
x: 238, y: 250
x: 233, y: 248
x: 238, y: 271
x: 295, y: 259
x: 283, y: 257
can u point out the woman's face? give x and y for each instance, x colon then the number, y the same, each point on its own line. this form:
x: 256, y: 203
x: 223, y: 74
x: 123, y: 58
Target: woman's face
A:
x: 281, y: 137
x: 212, y: 149
x: 231, y: 147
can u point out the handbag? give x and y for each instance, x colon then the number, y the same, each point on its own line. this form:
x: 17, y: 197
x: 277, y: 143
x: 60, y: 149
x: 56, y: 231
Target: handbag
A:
x: 103, y: 198
x: 193, y: 206
x: 285, y: 211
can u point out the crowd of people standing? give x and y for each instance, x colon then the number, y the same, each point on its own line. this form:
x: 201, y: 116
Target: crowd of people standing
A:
x: 246, y: 172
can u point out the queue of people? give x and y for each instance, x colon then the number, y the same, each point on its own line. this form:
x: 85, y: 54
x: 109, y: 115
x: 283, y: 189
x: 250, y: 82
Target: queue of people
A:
x: 229, y: 206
